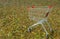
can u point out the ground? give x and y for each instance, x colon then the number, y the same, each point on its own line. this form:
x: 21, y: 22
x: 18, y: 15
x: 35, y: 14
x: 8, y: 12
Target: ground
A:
x: 14, y: 20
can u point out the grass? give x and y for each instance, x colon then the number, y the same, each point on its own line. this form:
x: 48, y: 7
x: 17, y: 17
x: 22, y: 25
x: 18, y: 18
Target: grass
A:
x: 14, y: 19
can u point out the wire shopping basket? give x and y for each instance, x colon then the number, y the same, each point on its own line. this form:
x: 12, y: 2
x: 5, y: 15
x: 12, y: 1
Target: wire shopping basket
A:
x: 39, y: 14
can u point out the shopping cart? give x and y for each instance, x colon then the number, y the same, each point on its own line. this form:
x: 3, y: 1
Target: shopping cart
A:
x: 39, y: 14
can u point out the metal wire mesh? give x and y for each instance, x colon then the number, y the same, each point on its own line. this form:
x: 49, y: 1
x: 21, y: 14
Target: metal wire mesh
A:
x: 37, y: 13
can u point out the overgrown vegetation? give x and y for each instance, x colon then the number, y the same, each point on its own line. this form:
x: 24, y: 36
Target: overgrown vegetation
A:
x: 14, y: 19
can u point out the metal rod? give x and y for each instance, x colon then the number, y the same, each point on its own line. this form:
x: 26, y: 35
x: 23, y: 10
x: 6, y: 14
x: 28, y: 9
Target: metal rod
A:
x: 44, y: 28
x: 49, y: 25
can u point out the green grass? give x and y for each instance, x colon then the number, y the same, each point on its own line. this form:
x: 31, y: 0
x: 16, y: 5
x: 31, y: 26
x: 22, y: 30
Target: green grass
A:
x: 14, y: 19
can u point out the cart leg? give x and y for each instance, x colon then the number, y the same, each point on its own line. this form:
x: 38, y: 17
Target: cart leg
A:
x: 47, y: 34
x: 39, y: 22
x: 49, y: 25
x: 51, y: 30
x: 30, y: 28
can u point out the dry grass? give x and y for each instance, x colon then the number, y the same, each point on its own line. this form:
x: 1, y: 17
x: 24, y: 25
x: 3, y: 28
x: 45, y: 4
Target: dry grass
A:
x: 14, y: 20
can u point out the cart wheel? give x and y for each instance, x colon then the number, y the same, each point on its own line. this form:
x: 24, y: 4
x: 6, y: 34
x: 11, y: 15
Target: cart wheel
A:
x: 29, y: 29
x: 47, y: 36
x: 52, y: 32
